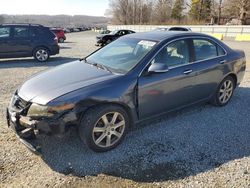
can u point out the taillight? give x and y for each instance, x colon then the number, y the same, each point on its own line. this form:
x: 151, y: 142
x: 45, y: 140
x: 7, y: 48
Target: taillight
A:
x: 56, y: 39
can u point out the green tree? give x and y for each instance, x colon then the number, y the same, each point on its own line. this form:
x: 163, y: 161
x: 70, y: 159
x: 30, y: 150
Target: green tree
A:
x: 200, y: 9
x: 195, y: 9
x: 177, y: 9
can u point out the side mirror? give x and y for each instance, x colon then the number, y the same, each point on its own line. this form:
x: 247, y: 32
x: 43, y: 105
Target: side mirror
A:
x: 158, y: 68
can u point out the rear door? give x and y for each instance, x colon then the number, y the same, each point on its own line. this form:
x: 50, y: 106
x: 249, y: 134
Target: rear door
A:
x: 5, y: 48
x: 209, y: 66
x: 21, y: 41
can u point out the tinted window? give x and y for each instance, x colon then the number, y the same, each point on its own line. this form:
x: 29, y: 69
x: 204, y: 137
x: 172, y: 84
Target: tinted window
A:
x: 4, y: 32
x: 204, y: 49
x: 220, y: 51
x: 174, y: 54
x: 178, y: 29
x: 41, y: 32
x: 121, y: 32
x: 21, y: 32
x: 35, y: 31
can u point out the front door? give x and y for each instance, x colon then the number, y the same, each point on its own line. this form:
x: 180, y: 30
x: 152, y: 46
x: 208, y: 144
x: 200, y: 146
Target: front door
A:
x: 162, y: 92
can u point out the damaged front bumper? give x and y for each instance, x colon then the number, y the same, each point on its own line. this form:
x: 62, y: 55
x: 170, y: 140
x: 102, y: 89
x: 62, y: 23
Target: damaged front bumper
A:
x: 27, y: 128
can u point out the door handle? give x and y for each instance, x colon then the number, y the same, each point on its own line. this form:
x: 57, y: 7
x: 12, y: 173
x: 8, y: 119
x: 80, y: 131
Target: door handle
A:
x: 223, y: 61
x: 187, y: 71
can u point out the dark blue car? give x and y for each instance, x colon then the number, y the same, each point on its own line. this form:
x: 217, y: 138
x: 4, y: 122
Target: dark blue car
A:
x: 136, y: 77
x: 27, y: 40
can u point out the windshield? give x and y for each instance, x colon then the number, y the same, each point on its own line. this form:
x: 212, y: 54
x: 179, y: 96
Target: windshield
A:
x: 113, y: 32
x: 121, y: 55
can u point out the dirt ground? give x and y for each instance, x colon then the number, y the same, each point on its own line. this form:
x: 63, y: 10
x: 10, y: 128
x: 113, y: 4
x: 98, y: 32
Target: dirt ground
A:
x: 201, y: 146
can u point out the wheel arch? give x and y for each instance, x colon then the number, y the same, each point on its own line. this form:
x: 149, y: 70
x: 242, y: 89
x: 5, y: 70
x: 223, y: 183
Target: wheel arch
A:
x: 234, y: 76
x: 40, y: 46
x: 80, y: 113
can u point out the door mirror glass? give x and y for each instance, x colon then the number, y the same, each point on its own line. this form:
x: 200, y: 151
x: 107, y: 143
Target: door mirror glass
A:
x: 158, y: 68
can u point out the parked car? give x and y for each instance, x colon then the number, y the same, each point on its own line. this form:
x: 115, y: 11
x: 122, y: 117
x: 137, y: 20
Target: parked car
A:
x: 66, y: 30
x: 59, y: 33
x: 136, y: 77
x: 76, y: 30
x: 27, y: 40
x: 105, y: 39
x: 176, y: 28
x: 104, y: 31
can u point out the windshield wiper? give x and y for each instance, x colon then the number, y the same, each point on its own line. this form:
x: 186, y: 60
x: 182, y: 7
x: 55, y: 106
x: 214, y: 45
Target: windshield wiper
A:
x: 101, y: 66
x: 98, y: 65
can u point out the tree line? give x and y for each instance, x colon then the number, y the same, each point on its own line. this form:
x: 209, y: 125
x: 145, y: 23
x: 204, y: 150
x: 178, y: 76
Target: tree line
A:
x: 178, y: 11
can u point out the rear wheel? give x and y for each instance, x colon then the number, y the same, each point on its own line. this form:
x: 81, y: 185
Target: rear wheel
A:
x: 41, y: 54
x: 61, y: 40
x: 224, y: 92
x: 102, y: 128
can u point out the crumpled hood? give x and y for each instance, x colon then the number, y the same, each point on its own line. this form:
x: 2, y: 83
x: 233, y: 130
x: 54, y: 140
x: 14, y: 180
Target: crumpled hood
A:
x: 55, y: 82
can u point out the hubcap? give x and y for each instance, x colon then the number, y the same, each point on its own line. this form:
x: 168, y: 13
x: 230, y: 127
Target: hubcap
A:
x: 42, y: 55
x: 109, y: 129
x: 226, y: 91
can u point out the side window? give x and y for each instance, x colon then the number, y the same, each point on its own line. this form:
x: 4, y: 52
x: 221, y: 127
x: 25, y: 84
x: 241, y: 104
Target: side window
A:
x: 36, y: 31
x: 176, y: 53
x: 220, y: 51
x: 121, y: 33
x: 204, y: 49
x: 21, y: 32
x: 4, y: 32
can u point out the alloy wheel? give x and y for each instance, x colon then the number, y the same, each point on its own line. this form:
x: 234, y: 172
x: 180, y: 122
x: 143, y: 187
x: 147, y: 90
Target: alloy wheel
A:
x: 109, y: 129
x: 226, y: 91
x: 42, y: 55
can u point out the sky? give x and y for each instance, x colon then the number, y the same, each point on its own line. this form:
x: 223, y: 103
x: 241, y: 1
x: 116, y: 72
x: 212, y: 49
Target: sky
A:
x: 55, y: 7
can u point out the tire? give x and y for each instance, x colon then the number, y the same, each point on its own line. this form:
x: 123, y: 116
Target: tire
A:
x: 224, y: 92
x: 61, y: 40
x: 41, y: 54
x: 108, y: 41
x: 100, y: 136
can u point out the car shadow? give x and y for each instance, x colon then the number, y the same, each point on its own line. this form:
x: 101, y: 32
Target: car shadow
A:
x: 181, y: 144
x: 68, y: 42
x: 30, y: 62
x: 65, y: 47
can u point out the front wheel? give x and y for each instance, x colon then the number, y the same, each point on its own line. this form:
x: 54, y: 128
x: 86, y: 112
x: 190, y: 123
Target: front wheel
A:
x: 41, y: 54
x: 224, y: 92
x: 102, y: 128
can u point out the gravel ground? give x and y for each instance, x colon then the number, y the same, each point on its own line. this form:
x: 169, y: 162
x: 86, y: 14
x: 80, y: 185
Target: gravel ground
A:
x: 201, y: 146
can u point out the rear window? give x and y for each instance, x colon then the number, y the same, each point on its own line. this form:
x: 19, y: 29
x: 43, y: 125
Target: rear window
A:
x: 21, y: 32
x: 41, y: 31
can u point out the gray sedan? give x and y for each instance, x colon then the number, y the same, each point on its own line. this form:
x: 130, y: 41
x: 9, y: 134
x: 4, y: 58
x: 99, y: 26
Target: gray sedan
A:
x: 136, y: 77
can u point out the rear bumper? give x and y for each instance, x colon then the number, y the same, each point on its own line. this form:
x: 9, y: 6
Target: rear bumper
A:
x: 55, y: 49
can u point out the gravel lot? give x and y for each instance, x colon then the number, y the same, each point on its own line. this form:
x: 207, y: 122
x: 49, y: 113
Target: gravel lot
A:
x: 201, y: 146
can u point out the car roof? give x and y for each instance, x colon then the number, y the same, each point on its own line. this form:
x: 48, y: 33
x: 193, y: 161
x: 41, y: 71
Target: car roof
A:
x: 161, y: 36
